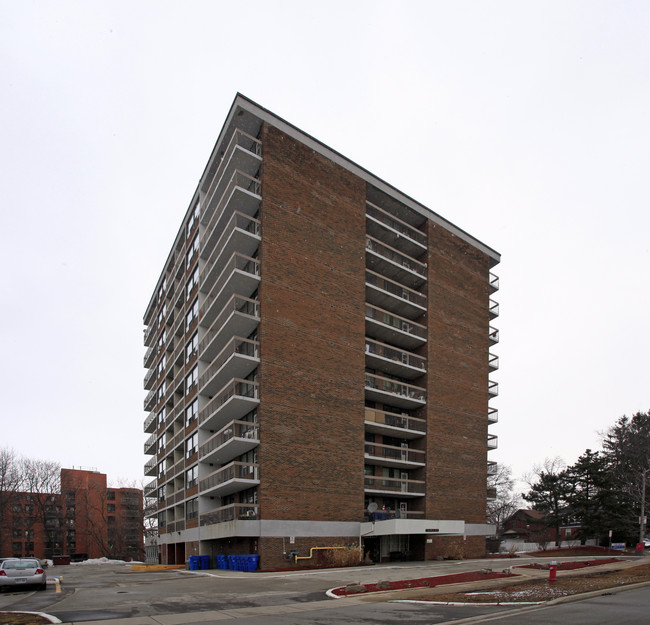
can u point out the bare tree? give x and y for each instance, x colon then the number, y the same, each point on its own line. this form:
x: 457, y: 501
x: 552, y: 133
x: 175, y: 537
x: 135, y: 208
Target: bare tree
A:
x: 41, y: 480
x: 505, y: 502
x: 10, y: 486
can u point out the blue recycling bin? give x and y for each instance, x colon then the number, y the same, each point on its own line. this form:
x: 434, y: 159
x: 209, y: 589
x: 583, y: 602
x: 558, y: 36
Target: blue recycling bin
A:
x: 231, y: 562
x: 222, y: 562
x: 253, y: 562
x: 194, y: 563
x: 204, y: 562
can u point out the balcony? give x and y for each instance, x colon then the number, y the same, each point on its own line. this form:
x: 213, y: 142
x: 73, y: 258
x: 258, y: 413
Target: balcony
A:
x: 150, y: 378
x: 233, y: 512
x: 237, y: 359
x: 493, y: 309
x: 230, y: 479
x: 239, y: 317
x: 150, y: 445
x: 241, y: 195
x: 149, y: 356
x: 378, y: 485
x: 493, y: 362
x: 150, y: 400
x: 390, y: 456
x: 244, y: 153
x: 393, y: 424
x: 493, y: 335
x: 151, y: 488
x: 493, y: 388
x: 233, y: 440
x: 492, y: 442
x: 493, y: 282
x: 394, y: 232
x: 394, y: 361
x: 150, y: 466
x: 234, y: 401
x: 240, y: 276
x: 393, y: 329
x: 393, y: 264
x: 394, y: 392
x: 493, y: 415
x: 394, y: 297
x: 241, y: 234
x: 150, y: 423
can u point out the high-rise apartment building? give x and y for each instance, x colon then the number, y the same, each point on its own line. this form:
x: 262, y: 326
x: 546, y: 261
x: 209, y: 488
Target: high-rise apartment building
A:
x: 319, y: 358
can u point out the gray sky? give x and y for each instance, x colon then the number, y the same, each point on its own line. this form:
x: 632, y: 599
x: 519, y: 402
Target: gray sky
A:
x: 524, y: 123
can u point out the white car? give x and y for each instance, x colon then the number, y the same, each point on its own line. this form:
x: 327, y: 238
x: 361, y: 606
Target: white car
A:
x: 16, y: 572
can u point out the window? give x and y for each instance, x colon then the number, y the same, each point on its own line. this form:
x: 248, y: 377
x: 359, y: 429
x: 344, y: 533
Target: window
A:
x: 16, y: 508
x: 191, y: 380
x: 191, y: 347
x: 161, y: 416
x: 161, y: 494
x: 192, y: 509
x: 110, y: 495
x: 29, y: 508
x: 194, y: 216
x: 161, y: 470
x: 191, y: 412
x: 191, y: 477
x: 192, y: 282
x: 192, y: 314
x: 161, y: 444
x: 194, y: 248
x: 162, y: 518
x: 192, y: 445
x: 110, y: 507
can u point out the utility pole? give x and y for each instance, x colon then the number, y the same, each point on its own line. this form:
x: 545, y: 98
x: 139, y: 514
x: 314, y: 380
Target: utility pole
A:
x: 642, y: 518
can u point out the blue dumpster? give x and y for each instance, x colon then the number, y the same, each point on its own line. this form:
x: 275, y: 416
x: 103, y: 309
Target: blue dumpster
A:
x: 222, y: 562
x: 194, y: 563
x: 253, y: 562
x: 204, y: 562
x: 231, y: 563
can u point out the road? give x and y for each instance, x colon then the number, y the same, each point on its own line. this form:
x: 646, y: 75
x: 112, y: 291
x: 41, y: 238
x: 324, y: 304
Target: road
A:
x: 100, y: 592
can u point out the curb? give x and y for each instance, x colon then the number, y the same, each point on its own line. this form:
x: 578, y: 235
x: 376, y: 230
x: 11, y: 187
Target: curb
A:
x: 49, y: 617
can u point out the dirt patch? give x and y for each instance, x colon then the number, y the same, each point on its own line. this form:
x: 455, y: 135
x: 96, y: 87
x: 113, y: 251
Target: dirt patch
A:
x: 543, y: 590
x: 21, y: 618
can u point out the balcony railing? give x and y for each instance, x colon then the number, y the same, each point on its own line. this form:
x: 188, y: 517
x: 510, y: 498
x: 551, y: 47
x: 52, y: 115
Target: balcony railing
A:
x: 240, y: 139
x: 149, y: 422
x: 493, y: 309
x: 233, y: 471
x: 493, y: 335
x: 390, y: 485
x: 414, y: 298
x: 399, y: 226
x: 493, y: 362
x: 381, y: 350
x: 151, y: 441
x: 407, y: 327
x: 237, y: 305
x: 238, y: 180
x: 493, y: 415
x: 150, y: 466
x: 395, y: 420
x: 237, y: 263
x: 401, y: 454
x: 493, y: 388
x: 233, y: 512
x: 235, y: 429
x: 493, y: 441
x: 236, y: 346
x: 243, y: 389
x: 395, y: 387
x: 239, y: 221
x: 493, y: 282
x: 150, y: 488
x: 401, y: 262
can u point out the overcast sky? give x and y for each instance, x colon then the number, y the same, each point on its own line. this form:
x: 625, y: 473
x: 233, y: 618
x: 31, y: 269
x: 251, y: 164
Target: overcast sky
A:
x: 524, y: 123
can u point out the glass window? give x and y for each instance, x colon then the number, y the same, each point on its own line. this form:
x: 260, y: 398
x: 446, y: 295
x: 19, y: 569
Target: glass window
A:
x: 191, y: 380
x: 192, y: 445
x: 192, y: 509
x: 191, y: 477
x: 192, y: 347
x: 191, y: 412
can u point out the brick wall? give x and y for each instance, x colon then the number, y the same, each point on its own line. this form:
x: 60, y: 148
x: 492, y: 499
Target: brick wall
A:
x: 457, y: 378
x: 311, y: 335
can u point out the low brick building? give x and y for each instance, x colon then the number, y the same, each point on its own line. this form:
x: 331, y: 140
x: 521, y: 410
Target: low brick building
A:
x: 86, y: 519
x: 318, y: 361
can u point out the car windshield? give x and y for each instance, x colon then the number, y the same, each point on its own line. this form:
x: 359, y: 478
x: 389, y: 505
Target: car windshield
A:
x: 20, y: 564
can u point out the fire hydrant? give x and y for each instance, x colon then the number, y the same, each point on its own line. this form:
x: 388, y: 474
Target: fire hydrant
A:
x: 552, y: 572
